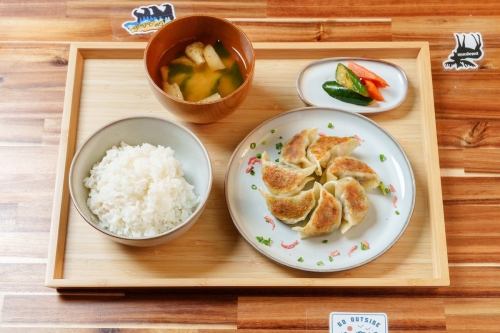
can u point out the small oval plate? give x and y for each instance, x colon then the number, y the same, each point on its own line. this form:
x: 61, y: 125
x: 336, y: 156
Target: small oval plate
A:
x: 310, y: 80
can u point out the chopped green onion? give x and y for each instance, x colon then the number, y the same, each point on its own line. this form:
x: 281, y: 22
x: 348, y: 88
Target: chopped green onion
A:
x: 254, y: 187
x: 364, y: 246
x: 258, y: 155
x: 277, y: 160
x: 279, y: 153
x: 324, y: 241
x: 383, y: 189
x: 320, y: 263
x: 279, y: 146
x: 263, y: 142
x: 265, y: 241
x: 330, y: 125
x: 330, y: 258
x: 382, y: 157
x: 273, y: 131
x: 397, y: 212
x: 252, y: 172
x: 253, y: 145
x: 301, y: 259
x: 281, y: 137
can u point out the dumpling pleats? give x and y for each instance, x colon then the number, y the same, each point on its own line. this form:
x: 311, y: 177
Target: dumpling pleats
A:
x: 346, y: 166
x: 326, y: 147
x: 325, y: 218
x: 294, y: 151
x: 292, y: 209
x: 284, y: 179
x: 354, y: 201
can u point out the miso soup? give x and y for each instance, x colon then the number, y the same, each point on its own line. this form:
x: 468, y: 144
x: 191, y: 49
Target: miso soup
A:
x: 201, y: 72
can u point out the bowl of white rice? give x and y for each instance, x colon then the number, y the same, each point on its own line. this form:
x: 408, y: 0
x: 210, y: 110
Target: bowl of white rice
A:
x: 141, y: 181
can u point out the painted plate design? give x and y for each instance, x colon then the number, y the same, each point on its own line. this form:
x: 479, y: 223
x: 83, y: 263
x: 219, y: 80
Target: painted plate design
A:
x: 388, y: 214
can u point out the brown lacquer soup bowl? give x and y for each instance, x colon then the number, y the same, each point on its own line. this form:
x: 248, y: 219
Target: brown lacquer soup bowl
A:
x: 169, y: 41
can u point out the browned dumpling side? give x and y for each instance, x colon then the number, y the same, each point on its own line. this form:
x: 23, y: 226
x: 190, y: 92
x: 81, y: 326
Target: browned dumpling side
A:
x: 347, y: 166
x: 292, y: 209
x: 284, y: 179
x: 326, y: 147
x: 354, y: 201
x: 294, y: 151
x: 325, y: 218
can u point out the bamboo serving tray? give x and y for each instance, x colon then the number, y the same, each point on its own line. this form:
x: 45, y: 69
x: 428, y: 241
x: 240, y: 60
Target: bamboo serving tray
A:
x: 106, y: 82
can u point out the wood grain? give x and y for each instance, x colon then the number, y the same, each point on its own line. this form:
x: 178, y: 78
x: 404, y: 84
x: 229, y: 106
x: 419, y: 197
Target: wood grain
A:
x: 32, y: 80
x: 471, y: 190
x: 305, y: 30
x: 61, y: 29
x: 312, y: 8
x: 472, y: 314
x: 482, y: 160
x: 312, y: 312
x: 23, y: 277
x: 134, y: 309
x: 473, y: 237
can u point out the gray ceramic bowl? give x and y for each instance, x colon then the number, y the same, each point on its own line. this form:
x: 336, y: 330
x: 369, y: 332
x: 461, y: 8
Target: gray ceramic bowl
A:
x: 134, y: 131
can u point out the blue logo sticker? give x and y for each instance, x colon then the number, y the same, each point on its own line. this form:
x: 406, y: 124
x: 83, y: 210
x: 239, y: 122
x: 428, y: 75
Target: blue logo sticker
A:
x: 345, y: 322
x: 468, y: 49
x: 149, y: 18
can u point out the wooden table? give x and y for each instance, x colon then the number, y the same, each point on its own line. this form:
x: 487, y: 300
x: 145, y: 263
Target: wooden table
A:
x: 33, y: 58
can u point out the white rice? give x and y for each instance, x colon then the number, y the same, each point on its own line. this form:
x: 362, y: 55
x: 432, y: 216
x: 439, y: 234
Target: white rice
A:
x: 139, y: 191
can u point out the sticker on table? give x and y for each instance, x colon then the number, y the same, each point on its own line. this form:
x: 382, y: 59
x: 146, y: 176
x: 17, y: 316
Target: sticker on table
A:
x: 149, y: 18
x: 468, y: 50
x: 358, y: 322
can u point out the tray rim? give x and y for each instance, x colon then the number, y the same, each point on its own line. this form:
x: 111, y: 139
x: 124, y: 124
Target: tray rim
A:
x: 80, y: 51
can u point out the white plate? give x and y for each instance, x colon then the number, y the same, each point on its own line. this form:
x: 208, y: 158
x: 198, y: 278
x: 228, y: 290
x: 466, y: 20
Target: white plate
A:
x: 382, y: 227
x: 311, y: 79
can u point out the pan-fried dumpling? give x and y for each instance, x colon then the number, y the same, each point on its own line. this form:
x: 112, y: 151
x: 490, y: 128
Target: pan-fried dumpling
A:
x: 346, y: 166
x: 292, y: 209
x: 284, y: 179
x: 326, y: 147
x: 354, y: 201
x: 294, y: 151
x: 325, y: 218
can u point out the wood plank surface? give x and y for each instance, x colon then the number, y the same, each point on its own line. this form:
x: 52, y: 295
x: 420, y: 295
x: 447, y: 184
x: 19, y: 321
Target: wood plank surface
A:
x: 32, y: 80
x: 312, y: 313
x: 135, y: 309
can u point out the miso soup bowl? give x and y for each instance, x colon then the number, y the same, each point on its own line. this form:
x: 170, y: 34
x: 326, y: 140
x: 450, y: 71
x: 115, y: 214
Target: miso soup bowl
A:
x: 187, y: 29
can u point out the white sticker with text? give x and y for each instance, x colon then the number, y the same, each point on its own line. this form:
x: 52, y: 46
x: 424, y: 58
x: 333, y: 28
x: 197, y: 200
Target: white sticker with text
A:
x: 346, y: 322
